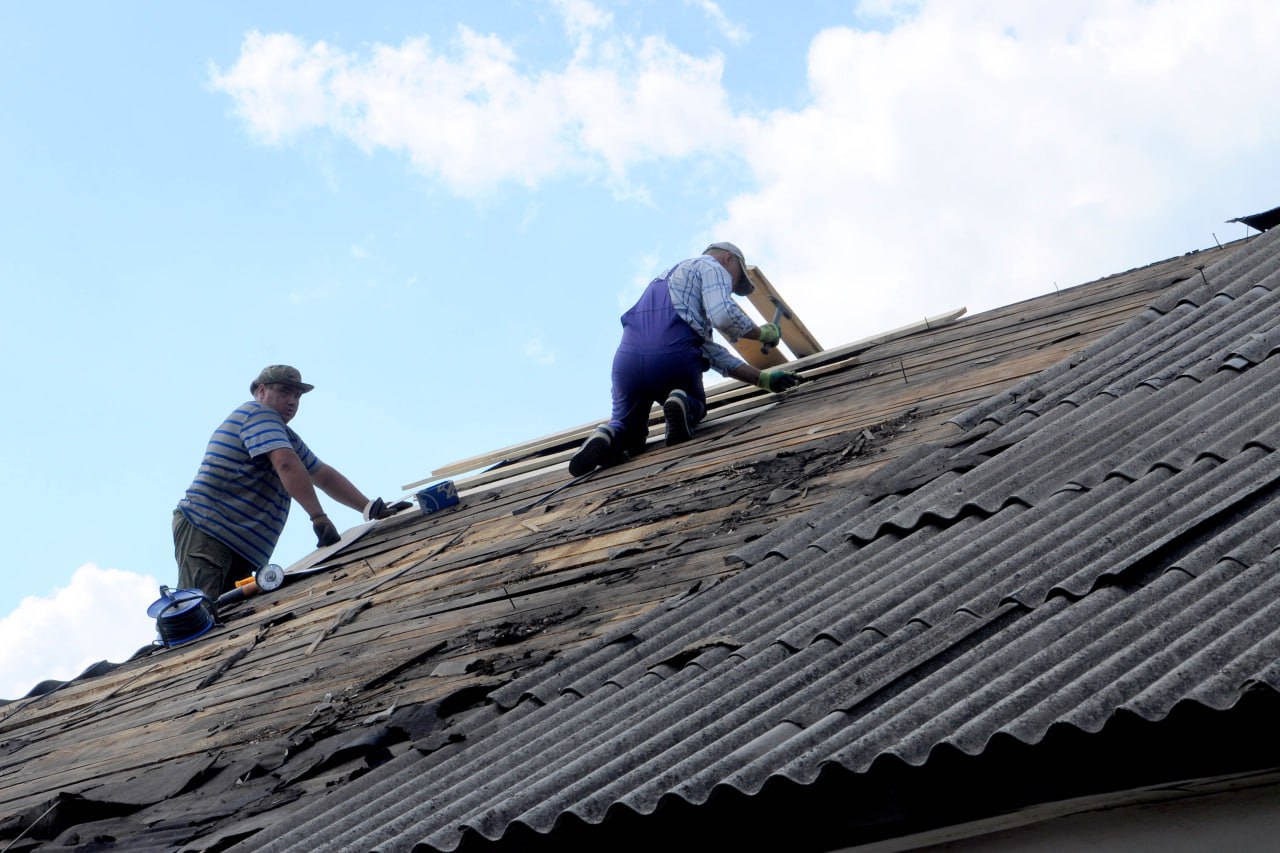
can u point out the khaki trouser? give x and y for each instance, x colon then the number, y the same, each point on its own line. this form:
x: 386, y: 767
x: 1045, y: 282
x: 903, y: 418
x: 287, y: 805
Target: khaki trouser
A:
x: 205, y: 563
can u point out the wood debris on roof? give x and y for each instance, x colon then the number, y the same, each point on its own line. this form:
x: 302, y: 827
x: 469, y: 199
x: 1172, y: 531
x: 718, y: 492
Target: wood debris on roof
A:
x: 430, y: 631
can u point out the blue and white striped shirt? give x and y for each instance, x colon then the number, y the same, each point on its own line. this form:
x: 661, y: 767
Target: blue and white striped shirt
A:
x: 702, y: 294
x: 237, y: 497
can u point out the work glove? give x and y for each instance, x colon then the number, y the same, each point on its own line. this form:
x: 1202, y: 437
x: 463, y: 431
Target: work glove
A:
x: 378, y: 508
x: 326, y: 533
x: 770, y: 334
x: 778, y: 380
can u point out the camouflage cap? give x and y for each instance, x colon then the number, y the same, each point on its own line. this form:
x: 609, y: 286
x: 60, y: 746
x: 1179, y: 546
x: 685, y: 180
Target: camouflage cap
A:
x: 279, y: 374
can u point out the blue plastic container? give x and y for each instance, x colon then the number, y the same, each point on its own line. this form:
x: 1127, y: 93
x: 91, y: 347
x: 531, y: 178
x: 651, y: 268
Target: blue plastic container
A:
x: 438, y: 496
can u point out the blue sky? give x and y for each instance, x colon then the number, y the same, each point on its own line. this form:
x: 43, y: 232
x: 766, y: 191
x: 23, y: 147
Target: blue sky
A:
x: 437, y: 211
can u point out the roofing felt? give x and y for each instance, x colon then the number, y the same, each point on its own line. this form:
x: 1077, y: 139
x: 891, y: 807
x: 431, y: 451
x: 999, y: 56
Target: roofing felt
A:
x: 1100, y: 539
x: 751, y: 605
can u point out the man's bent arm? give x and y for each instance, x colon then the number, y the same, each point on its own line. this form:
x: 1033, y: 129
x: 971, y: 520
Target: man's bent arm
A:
x: 297, y: 482
x: 338, y: 487
x: 745, y: 373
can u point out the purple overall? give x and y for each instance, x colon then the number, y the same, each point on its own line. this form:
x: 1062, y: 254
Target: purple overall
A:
x: 659, y: 353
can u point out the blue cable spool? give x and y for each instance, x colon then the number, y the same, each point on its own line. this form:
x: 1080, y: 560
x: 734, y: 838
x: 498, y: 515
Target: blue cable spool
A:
x: 181, y: 615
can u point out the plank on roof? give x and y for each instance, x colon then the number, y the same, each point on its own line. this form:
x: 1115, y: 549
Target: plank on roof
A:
x: 753, y: 353
x: 520, y: 451
x: 766, y: 299
x: 726, y: 399
x: 795, y: 334
x: 523, y: 448
x: 313, y: 559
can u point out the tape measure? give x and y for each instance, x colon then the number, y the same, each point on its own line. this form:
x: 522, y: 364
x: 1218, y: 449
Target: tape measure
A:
x: 269, y: 578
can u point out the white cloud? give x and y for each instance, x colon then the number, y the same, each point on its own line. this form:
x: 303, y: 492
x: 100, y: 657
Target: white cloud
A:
x: 962, y: 152
x: 734, y: 32
x: 618, y: 103
x: 979, y: 151
x: 100, y: 615
x: 582, y: 20
x: 278, y: 85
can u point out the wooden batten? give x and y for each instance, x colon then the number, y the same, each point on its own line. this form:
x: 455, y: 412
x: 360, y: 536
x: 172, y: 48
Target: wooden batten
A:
x: 767, y: 300
x: 795, y: 335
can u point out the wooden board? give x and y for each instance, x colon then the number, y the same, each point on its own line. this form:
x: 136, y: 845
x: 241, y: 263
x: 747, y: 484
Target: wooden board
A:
x: 753, y: 353
x: 577, y: 434
x: 767, y: 300
x: 318, y: 556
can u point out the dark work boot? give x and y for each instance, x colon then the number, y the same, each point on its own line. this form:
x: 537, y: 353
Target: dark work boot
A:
x: 676, y: 412
x: 596, y: 451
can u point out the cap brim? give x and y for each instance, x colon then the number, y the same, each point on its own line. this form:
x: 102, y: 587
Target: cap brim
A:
x: 302, y: 386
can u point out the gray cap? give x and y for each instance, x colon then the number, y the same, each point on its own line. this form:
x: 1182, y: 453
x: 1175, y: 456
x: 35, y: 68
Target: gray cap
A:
x: 737, y: 253
x: 279, y: 374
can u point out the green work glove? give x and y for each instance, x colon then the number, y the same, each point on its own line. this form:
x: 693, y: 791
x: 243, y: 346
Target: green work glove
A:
x: 326, y: 533
x: 770, y: 334
x: 778, y: 381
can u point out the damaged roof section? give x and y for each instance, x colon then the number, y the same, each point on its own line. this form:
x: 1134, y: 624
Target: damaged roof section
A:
x: 437, y: 638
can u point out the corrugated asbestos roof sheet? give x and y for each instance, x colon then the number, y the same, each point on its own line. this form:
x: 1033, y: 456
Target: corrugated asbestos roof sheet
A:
x: 867, y: 566
x: 1099, y: 539
x: 1264, y: 221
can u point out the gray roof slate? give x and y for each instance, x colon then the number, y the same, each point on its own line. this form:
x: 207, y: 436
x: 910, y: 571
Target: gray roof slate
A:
x: 1099, y: 539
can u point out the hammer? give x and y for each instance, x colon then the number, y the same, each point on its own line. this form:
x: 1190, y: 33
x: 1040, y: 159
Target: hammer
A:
x: 777, y: 318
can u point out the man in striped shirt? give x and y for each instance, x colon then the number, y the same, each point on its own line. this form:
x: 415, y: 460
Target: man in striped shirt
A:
x: 667, y: 344
x: 229, y: 521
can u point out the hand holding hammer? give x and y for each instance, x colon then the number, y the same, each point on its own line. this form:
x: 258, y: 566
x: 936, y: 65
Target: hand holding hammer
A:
x: 770, y: 339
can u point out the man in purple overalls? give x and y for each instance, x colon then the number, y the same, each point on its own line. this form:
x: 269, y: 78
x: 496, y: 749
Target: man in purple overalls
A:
x: 666, y: 346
